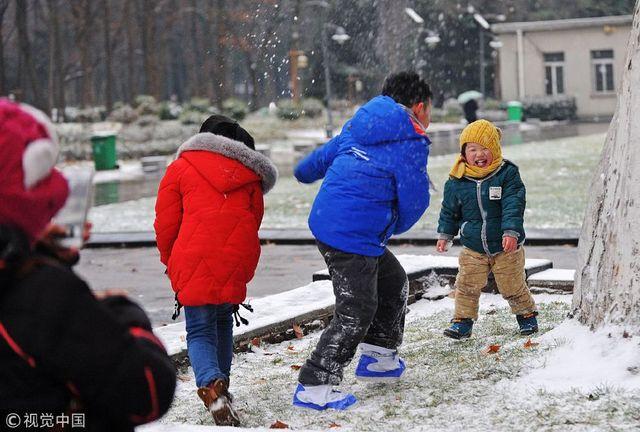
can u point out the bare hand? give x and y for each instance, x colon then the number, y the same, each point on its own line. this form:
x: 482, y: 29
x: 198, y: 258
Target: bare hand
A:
x: 49, y: 240
x: 509, y: 244
x: 110, y: 293
x: 442, y: 245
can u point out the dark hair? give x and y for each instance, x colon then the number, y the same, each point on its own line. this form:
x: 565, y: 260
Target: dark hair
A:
x: 221, y: 125
x: 406, y: 88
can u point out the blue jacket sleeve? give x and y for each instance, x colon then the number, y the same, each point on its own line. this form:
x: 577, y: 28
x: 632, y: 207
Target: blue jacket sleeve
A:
x: 314, y: 166
x: 450, y: 212
x: 412, y: 186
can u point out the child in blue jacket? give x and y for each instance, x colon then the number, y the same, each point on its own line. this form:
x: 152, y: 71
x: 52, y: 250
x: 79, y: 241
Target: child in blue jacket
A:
x: 375, y: 185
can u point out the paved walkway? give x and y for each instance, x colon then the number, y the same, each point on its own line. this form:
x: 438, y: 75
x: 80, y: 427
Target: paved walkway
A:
x: 282, y: 268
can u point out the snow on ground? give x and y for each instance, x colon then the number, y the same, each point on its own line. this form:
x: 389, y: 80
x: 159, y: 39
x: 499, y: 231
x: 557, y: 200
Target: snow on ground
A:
x: 586, y: 361
x: 556, y: 173
x: 553, y: 275
x: 452, y: 385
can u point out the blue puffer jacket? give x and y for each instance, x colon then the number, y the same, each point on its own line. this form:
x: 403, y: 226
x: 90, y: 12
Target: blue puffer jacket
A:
x: 484, y: 210
x: 375, y: 179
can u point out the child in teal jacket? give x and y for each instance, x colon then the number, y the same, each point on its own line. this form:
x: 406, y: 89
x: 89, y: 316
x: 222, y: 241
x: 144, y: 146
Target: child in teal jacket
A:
x: 484, y: 201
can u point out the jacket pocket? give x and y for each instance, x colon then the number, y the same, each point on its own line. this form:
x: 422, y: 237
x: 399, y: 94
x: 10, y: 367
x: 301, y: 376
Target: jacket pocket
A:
x: 462, y: 228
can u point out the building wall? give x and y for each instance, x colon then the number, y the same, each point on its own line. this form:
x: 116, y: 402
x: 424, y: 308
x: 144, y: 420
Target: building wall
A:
x: 577, y: 45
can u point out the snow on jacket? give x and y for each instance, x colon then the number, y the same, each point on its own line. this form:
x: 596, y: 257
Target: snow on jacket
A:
x: 483, y: 210
x: 375, y: 179
x: 59, y: 344
x: 208, y: 212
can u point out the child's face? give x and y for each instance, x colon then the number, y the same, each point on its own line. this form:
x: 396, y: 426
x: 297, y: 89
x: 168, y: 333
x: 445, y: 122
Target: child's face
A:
x: 476, y: 155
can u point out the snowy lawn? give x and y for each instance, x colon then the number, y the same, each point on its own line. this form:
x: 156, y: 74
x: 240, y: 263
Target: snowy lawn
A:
x: 556, y: 173
x: 451, y: 385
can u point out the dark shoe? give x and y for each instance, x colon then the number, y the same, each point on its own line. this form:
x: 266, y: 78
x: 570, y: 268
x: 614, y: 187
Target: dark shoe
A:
x: 460, y: 328
x: 528, y: 323
x: 217, y: 400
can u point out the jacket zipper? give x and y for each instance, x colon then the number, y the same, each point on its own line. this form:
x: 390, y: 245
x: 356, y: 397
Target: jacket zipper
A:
x: 483, y: 230
x: 386, y: 229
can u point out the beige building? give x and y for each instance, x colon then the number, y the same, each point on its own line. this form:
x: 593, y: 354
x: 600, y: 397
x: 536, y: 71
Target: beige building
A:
x: 581, y: 57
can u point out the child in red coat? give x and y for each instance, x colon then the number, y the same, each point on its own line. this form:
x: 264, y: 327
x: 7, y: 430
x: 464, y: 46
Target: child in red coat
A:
x: 208, y: 212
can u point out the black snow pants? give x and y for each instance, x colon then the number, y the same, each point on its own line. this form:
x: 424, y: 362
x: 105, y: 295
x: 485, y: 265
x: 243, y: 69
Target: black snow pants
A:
x: 371, y: 301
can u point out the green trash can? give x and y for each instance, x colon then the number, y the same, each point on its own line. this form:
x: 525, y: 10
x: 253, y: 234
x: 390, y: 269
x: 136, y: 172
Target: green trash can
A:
x: 103, y: 145
x: 514, y: 111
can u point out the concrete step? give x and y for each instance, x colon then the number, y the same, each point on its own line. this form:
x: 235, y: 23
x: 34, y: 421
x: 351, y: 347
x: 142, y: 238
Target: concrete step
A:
x: 302, y: 236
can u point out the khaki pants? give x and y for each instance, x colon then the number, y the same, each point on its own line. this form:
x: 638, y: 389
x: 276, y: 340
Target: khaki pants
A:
x: 508, y: 270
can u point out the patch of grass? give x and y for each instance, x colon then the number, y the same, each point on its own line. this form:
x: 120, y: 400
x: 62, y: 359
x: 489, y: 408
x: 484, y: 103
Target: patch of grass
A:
x: 448, y: 385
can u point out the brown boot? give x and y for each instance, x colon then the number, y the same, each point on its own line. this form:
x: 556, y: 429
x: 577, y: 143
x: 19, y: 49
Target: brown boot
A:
x: 217, y: 399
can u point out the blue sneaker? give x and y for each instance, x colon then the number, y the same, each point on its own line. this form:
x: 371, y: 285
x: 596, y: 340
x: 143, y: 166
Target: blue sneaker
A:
x: 322, y: 397
x: 528, y: 323
x: 460, y: 328
x: 379, y: 364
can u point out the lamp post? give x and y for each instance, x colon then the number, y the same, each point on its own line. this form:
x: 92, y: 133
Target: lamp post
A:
x: 340, y: 37
x: 432, y: 39
x: 483, y: 26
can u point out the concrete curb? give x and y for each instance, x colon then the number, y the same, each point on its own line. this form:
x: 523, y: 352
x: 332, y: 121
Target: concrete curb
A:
x: 535, y: 237
x: 311, y: 307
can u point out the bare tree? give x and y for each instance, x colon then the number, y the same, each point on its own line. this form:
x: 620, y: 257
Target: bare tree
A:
x: 26, y: 55
x: 4, y: 4
x: 607, y: 286
x: 83, y: 19
x: 108, y: 51
x: 56, y: 59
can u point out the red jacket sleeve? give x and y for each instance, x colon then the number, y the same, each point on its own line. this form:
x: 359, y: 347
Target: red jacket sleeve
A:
x: 257, y: 203
x: 168, y: 210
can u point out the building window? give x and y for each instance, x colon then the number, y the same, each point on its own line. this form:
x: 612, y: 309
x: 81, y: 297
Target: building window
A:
x: 554, y: 73
x: 602, y: 67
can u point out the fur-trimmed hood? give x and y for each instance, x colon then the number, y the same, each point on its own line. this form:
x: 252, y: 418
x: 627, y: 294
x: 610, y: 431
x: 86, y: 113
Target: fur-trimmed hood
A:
x: 236, y: 150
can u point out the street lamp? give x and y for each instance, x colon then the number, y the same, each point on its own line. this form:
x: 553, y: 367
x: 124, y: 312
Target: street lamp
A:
x: 483, y: 26
x: 340, y: 37
x: 432, y: 37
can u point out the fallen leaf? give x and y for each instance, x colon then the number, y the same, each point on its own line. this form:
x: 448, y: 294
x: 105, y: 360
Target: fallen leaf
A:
x: 491, y: 312
x: 528, y: 344
x: 492, y: 349
x: 298, y: 331
x: 261, y: 381
x: 626, y: 334
x: 291, y: 348
x: 296, y: 367
x: 256, y: 341
x: 279, y: 425
x: 334, y: 425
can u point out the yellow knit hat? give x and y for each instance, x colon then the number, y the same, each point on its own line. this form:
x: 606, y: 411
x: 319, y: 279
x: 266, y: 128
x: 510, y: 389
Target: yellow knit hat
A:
x: 486, y: 134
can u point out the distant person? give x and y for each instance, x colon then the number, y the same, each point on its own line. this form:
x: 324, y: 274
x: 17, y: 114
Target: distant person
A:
x: 63, y: 351
x: 470, y: 109
x: 484, y: 201
x: 208, y: 212
x: 375, y: 185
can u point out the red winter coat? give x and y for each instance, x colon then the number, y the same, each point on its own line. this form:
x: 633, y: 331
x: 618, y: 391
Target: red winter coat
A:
x: 208, y: 213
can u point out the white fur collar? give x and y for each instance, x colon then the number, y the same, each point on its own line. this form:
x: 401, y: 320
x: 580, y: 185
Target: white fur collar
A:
x: 234, y: 150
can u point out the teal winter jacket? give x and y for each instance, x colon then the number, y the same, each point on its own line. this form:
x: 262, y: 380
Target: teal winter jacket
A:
x: 484, y: 210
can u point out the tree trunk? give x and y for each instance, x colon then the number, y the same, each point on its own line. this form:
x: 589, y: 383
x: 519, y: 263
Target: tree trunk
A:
x: 131, y: 87
x: 108, y: 51
x: 25, y: 50
x: 607, y: 286
x: 81, y: 11
x: 221, y: 54
x: 3, y: 77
